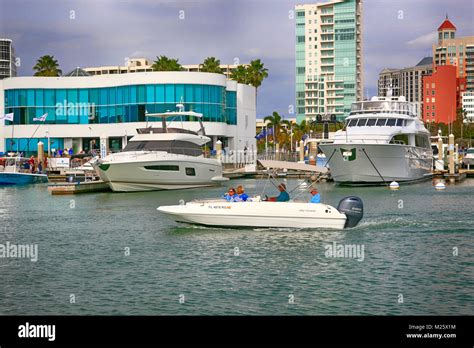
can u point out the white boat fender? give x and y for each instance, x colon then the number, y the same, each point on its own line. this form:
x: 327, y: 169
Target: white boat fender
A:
x: 353, y: 208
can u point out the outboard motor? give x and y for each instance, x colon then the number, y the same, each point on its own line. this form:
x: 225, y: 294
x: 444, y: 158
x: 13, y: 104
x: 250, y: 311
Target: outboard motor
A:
x: 353, y: 207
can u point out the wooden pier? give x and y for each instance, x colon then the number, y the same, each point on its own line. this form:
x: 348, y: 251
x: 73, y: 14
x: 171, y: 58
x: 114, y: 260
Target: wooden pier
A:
x: 81, y: 187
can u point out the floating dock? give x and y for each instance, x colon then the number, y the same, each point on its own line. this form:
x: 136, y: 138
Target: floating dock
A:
x: 76, y: 188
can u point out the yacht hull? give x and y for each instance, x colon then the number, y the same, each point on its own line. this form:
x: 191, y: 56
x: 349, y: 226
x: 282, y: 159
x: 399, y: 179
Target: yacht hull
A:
x: 257, y: 214
x: 357, y: 164
x: 22, y: 178
x: 132, y: 176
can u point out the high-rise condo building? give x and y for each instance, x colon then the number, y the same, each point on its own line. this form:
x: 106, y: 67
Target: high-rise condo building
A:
x: 407, y: 82
x: 7, y: 59
x: 328, y: 58
x: 459, y: 52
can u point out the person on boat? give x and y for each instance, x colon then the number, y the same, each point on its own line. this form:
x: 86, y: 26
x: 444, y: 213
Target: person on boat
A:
x: 243, y: 197
x: 231, y: 195
x: 282, y: 197
x: 316, y: 197
x: 31, y: 163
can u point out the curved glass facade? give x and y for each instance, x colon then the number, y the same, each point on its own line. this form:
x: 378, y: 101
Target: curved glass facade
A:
x: 119, y: 104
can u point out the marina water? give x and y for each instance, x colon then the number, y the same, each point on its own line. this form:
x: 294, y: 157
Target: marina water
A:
x: 115, y: 254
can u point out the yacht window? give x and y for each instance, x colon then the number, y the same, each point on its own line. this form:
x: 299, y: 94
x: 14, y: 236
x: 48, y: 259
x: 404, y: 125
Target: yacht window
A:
x: 362, y: 122
x: 391, y: 122
x: 170, y: 146
x: 400, y: 139
x: 167, y: 168
x: 371, y: 121
x: 404, y: 123
x: 399, y: 122
x: 421, y: 140
x: 190, y: 171
x: 381, y: 121
x: 352, y: 123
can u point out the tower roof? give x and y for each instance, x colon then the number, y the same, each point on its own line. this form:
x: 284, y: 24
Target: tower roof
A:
x: 447, y: 24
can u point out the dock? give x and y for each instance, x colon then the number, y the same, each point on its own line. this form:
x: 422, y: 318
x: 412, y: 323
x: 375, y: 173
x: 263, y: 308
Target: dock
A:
x: 76, y: 188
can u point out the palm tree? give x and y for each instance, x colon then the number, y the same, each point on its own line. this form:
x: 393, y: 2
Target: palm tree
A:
x: 211, y: 65
x: 163, y: 63
x: 299, y: 130
x: 276, y: 122
x: 256, y: 73
x: 47, y: 66
x: 239, y: 74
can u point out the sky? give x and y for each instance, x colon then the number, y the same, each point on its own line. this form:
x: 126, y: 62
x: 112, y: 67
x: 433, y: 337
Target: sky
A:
x: 396, y: 34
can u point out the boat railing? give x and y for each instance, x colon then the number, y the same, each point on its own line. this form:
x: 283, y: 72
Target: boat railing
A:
x: 226, y: 156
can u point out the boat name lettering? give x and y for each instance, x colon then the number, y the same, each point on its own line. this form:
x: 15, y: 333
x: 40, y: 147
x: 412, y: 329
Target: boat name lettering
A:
x: 219, y: 207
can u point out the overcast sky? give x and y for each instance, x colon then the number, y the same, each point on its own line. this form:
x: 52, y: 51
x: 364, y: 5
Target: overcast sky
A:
x: 396, y: 33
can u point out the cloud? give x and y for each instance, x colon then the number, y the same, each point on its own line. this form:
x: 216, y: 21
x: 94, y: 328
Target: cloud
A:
x: 424, y: 40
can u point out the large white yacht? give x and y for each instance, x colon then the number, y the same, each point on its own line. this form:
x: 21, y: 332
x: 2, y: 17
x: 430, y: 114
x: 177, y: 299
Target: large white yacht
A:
x: 383, y: 141
x: 161, y: 159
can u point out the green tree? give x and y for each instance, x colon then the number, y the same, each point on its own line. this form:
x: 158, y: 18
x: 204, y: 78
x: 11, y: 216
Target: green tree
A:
x: 280, y: 129
x: 47, y: 66
x: 256, y: 73
x: 211, y: 65
x: 163, y: 63
x: 239, y: 74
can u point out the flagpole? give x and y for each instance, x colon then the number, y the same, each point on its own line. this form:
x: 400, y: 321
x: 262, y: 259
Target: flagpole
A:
x: 266, y: 140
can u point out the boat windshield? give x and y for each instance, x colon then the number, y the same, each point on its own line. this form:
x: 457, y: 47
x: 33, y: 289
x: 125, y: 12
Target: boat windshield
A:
x: 384, y: 106
x: 369, y: 122
x: 170, y: 146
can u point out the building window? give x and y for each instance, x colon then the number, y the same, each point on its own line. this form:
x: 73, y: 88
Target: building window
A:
x: 433, y: 92
x: 427, y: 107
x: 433, y: 100
x: 433, y: 85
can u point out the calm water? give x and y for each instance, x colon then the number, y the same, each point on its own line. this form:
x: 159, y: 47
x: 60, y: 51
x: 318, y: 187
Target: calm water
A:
x: 408, y: 238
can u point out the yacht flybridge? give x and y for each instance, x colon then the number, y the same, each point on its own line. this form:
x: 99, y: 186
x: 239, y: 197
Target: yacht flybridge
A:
x: 383, y: 141
x: 162, y: 159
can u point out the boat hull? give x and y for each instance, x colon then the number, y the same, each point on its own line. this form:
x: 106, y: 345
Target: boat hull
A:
x: 257, y: 214
x: 133, y: 176
x: 22, y: 178
x: 350, y: 165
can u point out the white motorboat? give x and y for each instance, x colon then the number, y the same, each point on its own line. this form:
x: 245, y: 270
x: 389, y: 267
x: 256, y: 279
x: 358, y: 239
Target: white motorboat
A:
x: 383, y: 141
x: 162, y: 159
x: 263, y: 214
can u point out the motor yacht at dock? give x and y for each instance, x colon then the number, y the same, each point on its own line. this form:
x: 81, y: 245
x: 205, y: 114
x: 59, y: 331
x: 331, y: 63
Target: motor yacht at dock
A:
x: 162, y: 159
x: 383, y: 141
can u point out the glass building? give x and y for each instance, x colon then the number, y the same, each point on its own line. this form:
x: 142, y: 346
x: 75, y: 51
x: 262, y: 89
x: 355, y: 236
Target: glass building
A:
x: 328, y: 58
x: 117, y: 104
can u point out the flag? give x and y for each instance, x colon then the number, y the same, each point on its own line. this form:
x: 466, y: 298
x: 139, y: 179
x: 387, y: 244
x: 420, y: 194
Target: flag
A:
x: 8, y: 117
x: 42, y: 118
x: 262, y: 134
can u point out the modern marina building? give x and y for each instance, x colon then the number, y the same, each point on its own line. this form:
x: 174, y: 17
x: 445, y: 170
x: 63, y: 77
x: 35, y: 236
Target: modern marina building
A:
x: 328, y: 58
x: 82, y: 109
x: 7, y: 59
